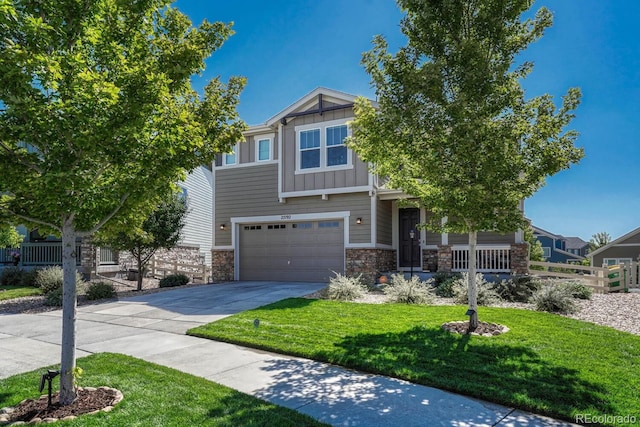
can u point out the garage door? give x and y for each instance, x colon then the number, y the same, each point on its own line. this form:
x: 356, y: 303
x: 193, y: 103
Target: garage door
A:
x: 300, y: 251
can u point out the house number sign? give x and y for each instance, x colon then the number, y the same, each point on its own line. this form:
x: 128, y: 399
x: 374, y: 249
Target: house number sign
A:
x: 283, y: 217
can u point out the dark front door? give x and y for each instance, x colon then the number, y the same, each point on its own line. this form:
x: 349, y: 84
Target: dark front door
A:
x: 408, y: 219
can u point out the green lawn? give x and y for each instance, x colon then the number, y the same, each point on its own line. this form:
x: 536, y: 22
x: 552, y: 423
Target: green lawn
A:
x: 158, y: 396
x: 546, y: 363
x: 11, y: 292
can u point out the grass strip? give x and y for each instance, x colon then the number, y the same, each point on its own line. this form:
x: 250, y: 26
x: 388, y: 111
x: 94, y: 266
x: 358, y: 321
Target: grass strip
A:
x: 546, y: 363
x: 11, y: 292
x: 158, y: 396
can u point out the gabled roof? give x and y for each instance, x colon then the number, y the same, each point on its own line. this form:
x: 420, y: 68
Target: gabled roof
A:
x: 568, y: 254
x: 538, y: 230
x: 311, y: 99
x: 575, y: 243
x: 614, y: 242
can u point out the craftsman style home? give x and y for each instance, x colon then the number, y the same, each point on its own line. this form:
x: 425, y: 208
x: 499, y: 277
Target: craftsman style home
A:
x: 292, y: 202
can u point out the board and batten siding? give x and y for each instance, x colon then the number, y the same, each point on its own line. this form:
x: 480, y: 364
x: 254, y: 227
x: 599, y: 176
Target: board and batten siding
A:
x: 252, y: 191
x: 385, y: 222
x: 198, y: 228
x: 356, y: 176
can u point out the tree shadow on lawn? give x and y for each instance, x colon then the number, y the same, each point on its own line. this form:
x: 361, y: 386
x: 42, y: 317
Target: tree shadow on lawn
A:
x: 482, y: 367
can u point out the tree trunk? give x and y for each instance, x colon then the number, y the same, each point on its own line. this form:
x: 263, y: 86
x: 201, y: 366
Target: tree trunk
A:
x: 473, y: 291
x: 68, y: 357
x: 140, y: 272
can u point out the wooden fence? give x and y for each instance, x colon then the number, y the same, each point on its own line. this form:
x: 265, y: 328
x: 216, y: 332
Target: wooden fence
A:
x: 605, y: 279
x: 160, y: 269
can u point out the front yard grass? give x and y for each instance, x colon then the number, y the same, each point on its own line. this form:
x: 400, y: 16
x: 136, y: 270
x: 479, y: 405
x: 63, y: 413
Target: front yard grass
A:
x: 546, y: 363
x: 11, y: 291
x: 158, y: 396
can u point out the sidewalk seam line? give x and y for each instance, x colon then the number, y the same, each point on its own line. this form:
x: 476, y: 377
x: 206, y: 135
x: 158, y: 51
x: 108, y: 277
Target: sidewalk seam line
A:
x: 505, y: 417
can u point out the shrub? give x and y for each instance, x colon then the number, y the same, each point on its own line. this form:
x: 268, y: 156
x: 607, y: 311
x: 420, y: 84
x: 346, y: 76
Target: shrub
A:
x: 50, y: 279
x: 173, y: 280
x: 578, y: 290
x: 54, y: 298
x: 517, y: 288
x: 486, y: 294
x: 445, y: 289
x: 29, y: 278
x: 554, y: 299
x: 11, y: 277
x: 100, y: 290
x: 411, y: 291
x: 345, y: 288
x: 444, y: 276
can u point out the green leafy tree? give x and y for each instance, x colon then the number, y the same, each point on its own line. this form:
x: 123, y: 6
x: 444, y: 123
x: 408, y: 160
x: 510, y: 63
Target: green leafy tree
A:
x: 599, y: 239
x: 160, y: 230
x: 99, y: 119
x: 536, y: 253
x: 454, y: 129
x: 9, y: 236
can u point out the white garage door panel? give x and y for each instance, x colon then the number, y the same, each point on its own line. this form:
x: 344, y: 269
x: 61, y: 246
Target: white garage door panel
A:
x: 307, y: 252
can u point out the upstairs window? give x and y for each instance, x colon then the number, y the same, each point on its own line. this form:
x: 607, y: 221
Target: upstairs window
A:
x: 230, y: 158
x: 336, y: 150
x: 310, y: 149
x: 263, y: 149
x: 321, y: 147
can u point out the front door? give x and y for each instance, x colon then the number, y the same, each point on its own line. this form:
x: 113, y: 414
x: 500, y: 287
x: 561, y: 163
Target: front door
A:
x: 409, y: 253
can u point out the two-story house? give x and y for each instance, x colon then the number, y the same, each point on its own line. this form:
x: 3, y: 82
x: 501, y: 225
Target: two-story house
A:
x: 558, y: 248
x: 292, y: 202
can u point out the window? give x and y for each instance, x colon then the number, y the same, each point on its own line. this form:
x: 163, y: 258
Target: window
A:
x: 230, y: 158
x: 321, y: 147
x: 328, y: 224
x: 546, y: 252
x: 615, y: 261
x: 302, y: 225
x: 263, y: 148
x: 310, y: 149
x: 336, y: 150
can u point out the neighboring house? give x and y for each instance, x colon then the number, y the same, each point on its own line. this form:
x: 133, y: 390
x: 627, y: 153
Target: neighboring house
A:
x: 623, y: 249
x: 194, y: 247
x: 292, y: 202
x: 557, y: 248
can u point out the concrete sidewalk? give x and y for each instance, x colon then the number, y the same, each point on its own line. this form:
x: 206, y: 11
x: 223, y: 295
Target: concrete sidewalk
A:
x: 152, y: 327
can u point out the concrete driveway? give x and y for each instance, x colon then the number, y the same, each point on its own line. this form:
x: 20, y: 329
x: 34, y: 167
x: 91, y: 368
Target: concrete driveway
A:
x: 152, y: 327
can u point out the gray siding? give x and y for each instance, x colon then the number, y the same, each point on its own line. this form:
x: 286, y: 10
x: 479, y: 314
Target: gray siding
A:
x: 632, y: 239
x: 632, y: 252
x: 252, y: 191
x: 432, y: 238
x: 198, y: 228
x: 355, y: 177
x: 384, y: 225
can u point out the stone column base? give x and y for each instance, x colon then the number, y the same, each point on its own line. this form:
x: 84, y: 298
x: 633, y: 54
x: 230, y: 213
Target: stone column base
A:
x: 519, y: 258
x: 222, y: 265
x: 370, y: 263
x: 444, y: 258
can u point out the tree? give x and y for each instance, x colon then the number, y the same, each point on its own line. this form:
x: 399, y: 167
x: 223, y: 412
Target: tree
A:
x: 453, y: 128
x: 9, y: 236
x: 599, y: 239
x: 160, y: 230
x: 99, y: 119
x: 536, y: 253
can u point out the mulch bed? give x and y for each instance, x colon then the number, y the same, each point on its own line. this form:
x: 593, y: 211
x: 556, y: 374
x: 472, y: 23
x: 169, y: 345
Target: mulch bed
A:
x: 89, y: 400
x: 484, y: 328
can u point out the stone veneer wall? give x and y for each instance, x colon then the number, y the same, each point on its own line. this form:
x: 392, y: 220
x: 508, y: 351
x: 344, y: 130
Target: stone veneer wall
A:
x: 179, y: 254
x: 430, y: 260
x: 89, y: 254
x: 222, y: 265
x: 444, y: 258
x: 519, y: 258
x: 370, y: 263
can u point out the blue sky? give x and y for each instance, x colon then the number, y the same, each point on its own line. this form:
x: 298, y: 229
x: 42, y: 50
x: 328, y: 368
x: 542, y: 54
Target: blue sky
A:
x: 288, y: 48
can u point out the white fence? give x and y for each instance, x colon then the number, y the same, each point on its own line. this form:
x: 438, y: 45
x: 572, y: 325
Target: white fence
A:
x: 489, y: 259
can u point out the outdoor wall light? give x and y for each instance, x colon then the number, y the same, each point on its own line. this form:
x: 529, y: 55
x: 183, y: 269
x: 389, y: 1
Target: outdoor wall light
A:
x: 358, y: 221
x: 223, y: 226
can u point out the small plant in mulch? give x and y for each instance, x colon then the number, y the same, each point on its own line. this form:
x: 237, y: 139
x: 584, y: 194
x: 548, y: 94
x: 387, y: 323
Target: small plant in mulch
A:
x: 409, y: 291
x: 173, y: 280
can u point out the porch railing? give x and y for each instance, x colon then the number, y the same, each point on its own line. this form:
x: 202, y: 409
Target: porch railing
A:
x: 107, y: 256
x: 46, y: 253
x: 489, y: 259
